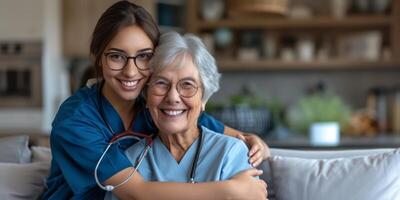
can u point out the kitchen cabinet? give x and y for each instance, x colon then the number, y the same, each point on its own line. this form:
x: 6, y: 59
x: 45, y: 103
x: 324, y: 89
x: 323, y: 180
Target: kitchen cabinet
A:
x: 386, y: 25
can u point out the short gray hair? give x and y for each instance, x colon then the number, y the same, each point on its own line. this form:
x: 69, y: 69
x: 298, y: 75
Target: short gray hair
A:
x: 173, y: 46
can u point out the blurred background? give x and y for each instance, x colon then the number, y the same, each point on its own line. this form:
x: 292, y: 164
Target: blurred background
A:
x: 285, y: 64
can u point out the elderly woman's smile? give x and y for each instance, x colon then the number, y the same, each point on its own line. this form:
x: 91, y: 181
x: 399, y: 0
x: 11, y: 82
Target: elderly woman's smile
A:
x: 172, y: 112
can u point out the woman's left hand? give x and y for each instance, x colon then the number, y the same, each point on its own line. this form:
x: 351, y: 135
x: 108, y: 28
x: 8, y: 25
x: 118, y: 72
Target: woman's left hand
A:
x: 258, y: 152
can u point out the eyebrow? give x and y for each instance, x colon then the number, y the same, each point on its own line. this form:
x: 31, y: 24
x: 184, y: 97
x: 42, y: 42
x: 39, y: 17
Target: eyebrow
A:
x: 183, y: 79
x: 122, y: 51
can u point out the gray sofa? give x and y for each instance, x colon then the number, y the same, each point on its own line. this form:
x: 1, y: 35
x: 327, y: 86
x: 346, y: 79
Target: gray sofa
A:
x: 290, y: 174
x: 324, y: 175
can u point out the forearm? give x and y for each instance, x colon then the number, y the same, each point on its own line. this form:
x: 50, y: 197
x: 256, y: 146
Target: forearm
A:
x: 185, y: 191
x: 232, y: 132
x: 139, y: 189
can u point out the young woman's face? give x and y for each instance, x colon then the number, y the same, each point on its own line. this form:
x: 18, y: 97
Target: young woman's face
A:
x: 173, y: 112
x: 125, y: 80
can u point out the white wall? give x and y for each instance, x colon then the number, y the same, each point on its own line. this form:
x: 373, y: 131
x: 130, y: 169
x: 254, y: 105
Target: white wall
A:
x: 36, y: 20
x: 21, y: 19
x: 55, y: 83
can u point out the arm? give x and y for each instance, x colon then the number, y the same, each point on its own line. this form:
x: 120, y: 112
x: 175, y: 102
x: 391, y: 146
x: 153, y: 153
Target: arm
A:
x: 259, y: 150
x: 137, y: 188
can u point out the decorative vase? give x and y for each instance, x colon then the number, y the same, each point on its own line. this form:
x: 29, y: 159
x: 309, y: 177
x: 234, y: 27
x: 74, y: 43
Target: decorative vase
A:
x: 212, y: 9
x: 324, y: 134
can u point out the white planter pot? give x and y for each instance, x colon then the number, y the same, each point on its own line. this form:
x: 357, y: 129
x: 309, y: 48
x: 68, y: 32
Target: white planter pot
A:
x: 325, y: 134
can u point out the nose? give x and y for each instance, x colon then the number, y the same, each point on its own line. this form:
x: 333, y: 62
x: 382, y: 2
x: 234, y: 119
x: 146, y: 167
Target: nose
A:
x: 130, y: 70
x: 172, y: 96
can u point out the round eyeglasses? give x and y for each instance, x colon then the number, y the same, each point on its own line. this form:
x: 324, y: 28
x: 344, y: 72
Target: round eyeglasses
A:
x: 117, y: 61
x: 185, y: 88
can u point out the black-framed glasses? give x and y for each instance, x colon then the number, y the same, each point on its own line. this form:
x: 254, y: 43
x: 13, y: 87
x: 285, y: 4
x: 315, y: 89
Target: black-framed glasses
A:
x: 117, y: 61
x: 186, y: 87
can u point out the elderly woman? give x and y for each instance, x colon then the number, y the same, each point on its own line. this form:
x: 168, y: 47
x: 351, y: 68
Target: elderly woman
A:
x: 184, y: 77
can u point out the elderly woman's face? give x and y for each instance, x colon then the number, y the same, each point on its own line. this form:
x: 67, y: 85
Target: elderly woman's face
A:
x: 174, y: 97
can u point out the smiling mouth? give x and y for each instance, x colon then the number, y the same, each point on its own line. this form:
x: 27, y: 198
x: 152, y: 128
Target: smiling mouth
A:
x: 129, y: 84
x: 173, y: 113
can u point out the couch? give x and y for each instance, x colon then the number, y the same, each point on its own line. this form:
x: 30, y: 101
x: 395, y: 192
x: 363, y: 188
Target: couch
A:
x: 370, y: 174
x: 291, y: 174
x: 24, y: 165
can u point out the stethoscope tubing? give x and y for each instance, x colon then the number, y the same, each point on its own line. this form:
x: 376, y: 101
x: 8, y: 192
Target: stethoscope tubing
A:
x: 135, y: 168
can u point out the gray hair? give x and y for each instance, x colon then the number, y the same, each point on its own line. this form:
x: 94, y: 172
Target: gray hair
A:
x: 173, y: 47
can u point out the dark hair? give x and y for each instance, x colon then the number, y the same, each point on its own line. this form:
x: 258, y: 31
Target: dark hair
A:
x: 120, y: 15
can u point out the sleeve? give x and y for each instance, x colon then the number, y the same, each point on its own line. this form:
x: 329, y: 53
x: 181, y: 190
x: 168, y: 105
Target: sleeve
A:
x: 235, y: 160
x: 211, y: 123
x: 77, y: 144
x: 143, y: 122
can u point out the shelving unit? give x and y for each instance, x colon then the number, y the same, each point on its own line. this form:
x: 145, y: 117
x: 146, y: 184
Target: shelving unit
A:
x: 387, y: 24
x: 352, y: 22
x: 235, y: 65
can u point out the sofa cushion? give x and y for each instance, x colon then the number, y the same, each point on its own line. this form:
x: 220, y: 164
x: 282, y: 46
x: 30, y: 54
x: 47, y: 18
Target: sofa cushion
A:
x: 369, y: 177
x: 14, y: 149
x: 22, y: 181
x: 327, y: 154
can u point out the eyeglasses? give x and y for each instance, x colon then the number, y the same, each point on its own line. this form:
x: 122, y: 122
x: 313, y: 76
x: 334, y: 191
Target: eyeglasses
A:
x: 117, y: 61
x: 186, y: 87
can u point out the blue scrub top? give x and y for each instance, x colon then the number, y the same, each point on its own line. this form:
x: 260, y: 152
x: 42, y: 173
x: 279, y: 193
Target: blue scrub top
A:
x: 78, y: 138
x: 220, y: 158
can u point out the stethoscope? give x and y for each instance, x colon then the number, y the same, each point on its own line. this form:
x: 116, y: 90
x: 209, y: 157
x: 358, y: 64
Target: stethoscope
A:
x: 128, y: 134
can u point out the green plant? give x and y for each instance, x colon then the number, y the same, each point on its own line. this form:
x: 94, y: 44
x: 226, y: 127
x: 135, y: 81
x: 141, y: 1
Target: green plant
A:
x: 318, y: 108
x: 247, y: 100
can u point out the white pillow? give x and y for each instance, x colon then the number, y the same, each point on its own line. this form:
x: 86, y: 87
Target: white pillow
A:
x: 22, y: 181
x: 374, y: 177
x: 14, y: 149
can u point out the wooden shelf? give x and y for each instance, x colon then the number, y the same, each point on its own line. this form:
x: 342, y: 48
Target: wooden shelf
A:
x: 276, y: 65
x: 351, y: 22
x: 387, y: 24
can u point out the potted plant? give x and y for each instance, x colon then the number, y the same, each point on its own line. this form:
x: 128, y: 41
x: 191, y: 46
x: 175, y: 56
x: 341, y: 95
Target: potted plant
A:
x: 320, y: 115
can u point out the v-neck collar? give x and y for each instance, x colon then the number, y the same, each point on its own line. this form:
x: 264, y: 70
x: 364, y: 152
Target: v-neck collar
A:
x: 111, y: 115
x: 186, y: 160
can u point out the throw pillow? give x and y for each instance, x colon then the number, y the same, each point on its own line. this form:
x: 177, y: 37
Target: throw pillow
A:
x: 369, y: 177
x: 22, y: 181
x: 14, y: 149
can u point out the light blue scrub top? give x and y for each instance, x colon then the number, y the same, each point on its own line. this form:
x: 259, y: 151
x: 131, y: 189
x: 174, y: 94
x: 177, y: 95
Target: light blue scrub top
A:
x: 221, y: 157
x: 78, y: 138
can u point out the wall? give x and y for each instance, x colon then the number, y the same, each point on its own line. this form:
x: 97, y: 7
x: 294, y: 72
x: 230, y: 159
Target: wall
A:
x: 21, y: 19
x: 79, y: 20
x: 36, y: 20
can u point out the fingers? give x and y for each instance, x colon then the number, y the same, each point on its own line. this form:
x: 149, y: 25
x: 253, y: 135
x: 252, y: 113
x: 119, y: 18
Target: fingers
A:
x: 256, y: 155
x: 241, y: 137
x: 257, y: 162
x: 256, y: 158
x: 255, y: 147
x: 263, y: 183
x: 263, y: 188
x: 267, y: 152
x: 253, y: 172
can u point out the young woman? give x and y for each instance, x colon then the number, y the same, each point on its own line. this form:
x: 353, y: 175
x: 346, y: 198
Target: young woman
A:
x: 122, y: 44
